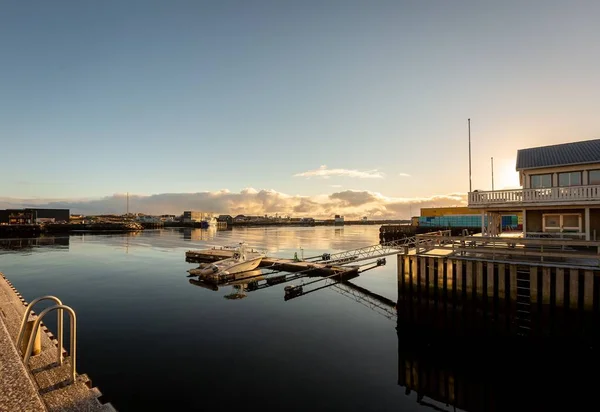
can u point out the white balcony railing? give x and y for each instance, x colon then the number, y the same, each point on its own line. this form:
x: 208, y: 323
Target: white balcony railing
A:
x: 546, y: 195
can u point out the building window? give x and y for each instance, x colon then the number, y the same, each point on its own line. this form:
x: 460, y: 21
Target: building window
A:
x: 569, y: 179
x: 570, y: 222
x: 541, y: 181
x: 594, y: 177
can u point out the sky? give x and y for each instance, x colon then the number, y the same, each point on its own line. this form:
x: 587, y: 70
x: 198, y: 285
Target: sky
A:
x: 314, y: 100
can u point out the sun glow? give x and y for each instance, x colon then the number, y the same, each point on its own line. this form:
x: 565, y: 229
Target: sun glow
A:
x: 505, y: 175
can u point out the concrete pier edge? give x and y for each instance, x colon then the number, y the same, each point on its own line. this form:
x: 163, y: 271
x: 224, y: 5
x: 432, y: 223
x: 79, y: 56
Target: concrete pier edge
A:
x: 40, y: 386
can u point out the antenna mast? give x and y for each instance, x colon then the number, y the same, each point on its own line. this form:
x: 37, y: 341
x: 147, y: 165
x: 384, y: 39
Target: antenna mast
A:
x: 492, y: 174
x: 470, y: 187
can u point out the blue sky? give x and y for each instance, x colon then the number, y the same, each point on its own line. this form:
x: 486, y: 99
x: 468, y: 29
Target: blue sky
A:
x: 152, y: 97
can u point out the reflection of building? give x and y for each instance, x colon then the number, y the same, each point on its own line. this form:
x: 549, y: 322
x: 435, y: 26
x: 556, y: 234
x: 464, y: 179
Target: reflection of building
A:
x: 33, y: 215
x: 198, y: 234
x: 48, y: 243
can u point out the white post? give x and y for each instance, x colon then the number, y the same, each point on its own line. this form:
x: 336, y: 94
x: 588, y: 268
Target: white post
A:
x: 524, y: 222
x: 587, y: 223
x: 482, y: 222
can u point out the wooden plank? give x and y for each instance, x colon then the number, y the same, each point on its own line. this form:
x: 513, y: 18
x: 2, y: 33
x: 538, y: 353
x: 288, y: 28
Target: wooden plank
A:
x: 546, y: 285
x: 560, y: 287
x: 414, y: 274
x: 423, y: 270
x: 406, y: 272
x: 533, y: 289
x: 490, y: 281
x: 513, y: 283
x: 479, y: 277
x: 449, y: 273
x: 470, y: 280
x: 459, y: 281
x: 501, y: 281
x: 431, y: 262
x: 440, y: 271
x: 588, y: 290
x: 573, y: 288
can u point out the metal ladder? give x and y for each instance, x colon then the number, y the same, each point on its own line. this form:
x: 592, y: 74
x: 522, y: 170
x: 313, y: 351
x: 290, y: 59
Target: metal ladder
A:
x: 523, y: 303
x: 59, y: 307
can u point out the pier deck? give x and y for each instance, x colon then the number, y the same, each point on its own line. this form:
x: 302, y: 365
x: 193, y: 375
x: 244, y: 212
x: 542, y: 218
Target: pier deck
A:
x: 285, y: 265
x: 41, y: 385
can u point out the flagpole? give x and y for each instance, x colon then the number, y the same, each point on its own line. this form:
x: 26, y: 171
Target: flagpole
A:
x: 492, y: 174
x: 470, y: 187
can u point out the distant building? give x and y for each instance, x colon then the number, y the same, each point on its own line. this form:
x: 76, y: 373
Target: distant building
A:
x: 225, y: 218
x: 33, y: 215
x: 192, y: 217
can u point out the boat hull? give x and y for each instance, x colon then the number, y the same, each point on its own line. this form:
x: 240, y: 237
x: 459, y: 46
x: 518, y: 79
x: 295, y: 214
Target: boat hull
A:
x: 227, y: 267
x: 245, y: 266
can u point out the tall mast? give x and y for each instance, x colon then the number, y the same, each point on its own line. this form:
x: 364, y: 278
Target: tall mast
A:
x: 470, y: 187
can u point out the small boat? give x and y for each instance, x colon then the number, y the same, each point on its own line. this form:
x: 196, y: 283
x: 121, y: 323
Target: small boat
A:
x: 243, y: 260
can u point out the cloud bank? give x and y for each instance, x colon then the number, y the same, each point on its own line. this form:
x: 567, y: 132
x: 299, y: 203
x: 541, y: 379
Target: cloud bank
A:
x: 324, y: 173
x: 350, y: 203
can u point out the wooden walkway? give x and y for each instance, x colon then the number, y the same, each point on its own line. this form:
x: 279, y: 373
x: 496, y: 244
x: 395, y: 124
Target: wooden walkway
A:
x: 276, y: 264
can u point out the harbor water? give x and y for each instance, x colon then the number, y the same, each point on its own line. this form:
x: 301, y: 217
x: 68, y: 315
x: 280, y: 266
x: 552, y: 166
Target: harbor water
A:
x: 152, y: 340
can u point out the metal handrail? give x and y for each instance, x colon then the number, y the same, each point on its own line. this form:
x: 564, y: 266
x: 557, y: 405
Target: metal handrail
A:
x: 36, y: 325
x: 59, y: 323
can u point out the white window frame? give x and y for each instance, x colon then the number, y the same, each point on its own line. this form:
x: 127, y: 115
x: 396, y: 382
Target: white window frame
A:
x: 531, y: 177
x: 561, y: 228
x: 570, y: 174
x: 590, y: 180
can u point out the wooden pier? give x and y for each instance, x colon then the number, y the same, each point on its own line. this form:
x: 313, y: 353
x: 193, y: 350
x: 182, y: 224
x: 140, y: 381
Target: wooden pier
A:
x: 276, y: 264
x: 535, y: 287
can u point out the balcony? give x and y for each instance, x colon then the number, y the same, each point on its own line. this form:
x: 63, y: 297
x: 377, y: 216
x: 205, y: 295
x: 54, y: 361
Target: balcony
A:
x: 573, y: 195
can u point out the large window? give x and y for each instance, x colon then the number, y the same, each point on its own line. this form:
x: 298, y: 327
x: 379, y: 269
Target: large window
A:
x: 570, y: 222
x: 594, y: 177
x: 569, y: 179
x: 540, y: 181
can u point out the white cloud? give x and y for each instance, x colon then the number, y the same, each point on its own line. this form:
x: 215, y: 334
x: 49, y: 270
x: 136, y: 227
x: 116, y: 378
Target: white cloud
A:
x: 350, y: 203
x: 336, y: 186
x: 325, y: 173
x: 404, y: 175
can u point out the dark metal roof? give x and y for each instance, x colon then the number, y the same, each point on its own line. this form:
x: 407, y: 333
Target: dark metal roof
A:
x: 564, y: 154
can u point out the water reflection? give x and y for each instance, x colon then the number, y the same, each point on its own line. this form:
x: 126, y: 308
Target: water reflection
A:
x: 477, y: 371
x: 49, y: 243
x: 237, y: 287
x: 198, y: 234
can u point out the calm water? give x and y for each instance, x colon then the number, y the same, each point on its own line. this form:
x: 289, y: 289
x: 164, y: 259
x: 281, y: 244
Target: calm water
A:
x: 150, y: 339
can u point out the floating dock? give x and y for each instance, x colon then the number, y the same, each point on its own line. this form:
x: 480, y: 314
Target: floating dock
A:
x: 277, y: 264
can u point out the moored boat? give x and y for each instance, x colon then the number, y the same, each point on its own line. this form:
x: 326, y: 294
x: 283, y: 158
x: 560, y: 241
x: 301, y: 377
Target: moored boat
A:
x: 243, y: 260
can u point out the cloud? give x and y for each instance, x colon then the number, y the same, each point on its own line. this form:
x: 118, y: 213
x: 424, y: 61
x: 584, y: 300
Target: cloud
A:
x: 336, y: 186
x: 404, y: 175
x: 325, y: 173
x: 350, y: 203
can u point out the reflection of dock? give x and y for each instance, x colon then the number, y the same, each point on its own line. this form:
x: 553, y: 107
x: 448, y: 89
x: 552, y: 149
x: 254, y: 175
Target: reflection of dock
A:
x: 46, y: 242
x: 449, y: 370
